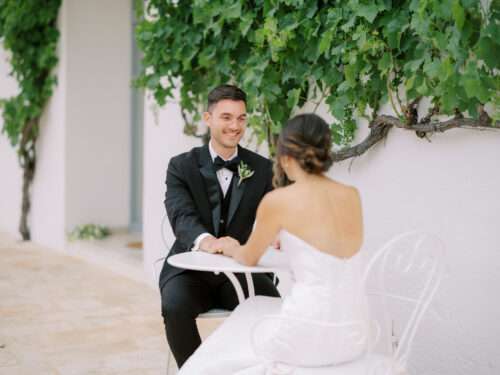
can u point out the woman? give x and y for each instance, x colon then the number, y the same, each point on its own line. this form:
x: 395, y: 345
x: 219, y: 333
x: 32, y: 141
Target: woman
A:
x: 323, y: 320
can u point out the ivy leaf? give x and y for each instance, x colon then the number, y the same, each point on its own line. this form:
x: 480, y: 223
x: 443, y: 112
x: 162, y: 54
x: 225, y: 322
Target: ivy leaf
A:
x: 338, y: 106
x: 313, y: 8
x: 432, y: 68
x: 473, y: 85
x: 293, y: 98
x: 446, y: 68
x: 233, y: 11
x: 153, y: 81
x: 458, y: 14
x: 474, y: 88
x: 385, y: 62
x: 369, y: 12
x: 471, y: 107
x: 489, y: 51
x: 351, y: 21
x: 449, y: 101
x: 492, y: 30
x: 332, y: 76
x: 277, y: 114
x: 423, y: 89
x: 413, y: 65
x: 325, y: 42
x: 349, y: 126
x: 245, y: 24
x: 146, y: 36
x: 350, y: 74
x: 409, y: 83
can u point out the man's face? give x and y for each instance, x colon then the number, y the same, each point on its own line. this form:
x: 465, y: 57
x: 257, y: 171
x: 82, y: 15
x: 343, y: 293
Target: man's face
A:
x: 227, y: 121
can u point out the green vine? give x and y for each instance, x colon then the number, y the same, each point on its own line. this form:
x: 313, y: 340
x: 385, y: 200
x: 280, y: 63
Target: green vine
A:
x: 353, y: 55
x: 89, y: 232
x: 28, y: 32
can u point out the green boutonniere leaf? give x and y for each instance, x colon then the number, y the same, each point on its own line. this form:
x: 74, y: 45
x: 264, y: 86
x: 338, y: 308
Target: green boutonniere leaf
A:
x: 244, y: 172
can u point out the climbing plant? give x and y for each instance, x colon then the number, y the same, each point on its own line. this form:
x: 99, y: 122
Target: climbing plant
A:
x: 29, y: 34
x: 353, y: 55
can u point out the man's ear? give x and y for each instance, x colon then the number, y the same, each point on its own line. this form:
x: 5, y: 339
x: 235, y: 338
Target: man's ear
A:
x: 206, y: 118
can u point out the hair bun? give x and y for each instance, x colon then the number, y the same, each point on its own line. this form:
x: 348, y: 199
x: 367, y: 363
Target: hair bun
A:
x: 307, y: 139
x: 316, y: 160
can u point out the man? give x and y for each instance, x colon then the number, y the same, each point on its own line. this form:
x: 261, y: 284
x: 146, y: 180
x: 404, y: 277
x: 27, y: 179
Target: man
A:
x: 211, y: 205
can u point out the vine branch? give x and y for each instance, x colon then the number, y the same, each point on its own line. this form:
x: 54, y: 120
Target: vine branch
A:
x: 381, y: 125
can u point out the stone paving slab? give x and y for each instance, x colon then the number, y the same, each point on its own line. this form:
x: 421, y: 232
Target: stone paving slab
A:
x: 60, y: 315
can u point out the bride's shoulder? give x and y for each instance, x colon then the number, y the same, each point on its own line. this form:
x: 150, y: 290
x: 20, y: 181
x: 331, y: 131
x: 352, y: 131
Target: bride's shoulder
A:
x: 275, y: 196
x: 342, y: 188
x: 278, y: 198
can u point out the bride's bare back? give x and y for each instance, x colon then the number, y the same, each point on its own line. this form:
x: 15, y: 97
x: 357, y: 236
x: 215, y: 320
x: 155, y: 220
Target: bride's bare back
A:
x: 324, y: 213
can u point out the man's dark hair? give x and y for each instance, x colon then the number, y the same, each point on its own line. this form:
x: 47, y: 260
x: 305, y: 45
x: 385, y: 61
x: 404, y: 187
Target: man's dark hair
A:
x: 222, y: 92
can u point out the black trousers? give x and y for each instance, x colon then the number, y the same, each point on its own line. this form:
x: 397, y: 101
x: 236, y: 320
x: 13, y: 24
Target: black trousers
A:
x: 191, y: 293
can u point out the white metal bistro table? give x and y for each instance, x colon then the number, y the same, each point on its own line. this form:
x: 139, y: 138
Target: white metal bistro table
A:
x: 272, y: 261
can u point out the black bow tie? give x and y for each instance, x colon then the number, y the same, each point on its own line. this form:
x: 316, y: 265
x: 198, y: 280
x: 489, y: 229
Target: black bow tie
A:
x: 232, y: 164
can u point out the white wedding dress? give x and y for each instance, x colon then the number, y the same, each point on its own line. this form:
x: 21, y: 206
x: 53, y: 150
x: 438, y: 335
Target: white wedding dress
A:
x: 323, y: 321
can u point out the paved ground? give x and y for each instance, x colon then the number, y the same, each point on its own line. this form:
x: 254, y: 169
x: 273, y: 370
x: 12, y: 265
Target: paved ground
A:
x: 61, y: 315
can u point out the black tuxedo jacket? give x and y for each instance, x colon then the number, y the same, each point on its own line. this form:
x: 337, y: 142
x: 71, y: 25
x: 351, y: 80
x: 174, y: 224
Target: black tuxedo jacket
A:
x: 193, y: 201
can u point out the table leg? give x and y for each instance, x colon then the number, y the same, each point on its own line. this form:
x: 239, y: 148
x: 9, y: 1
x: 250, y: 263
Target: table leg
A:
x: 236, y: 285
x: 251, y: 289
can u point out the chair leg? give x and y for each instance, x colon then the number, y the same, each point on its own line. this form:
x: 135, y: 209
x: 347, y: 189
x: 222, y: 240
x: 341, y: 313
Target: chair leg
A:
x: 170, y: 362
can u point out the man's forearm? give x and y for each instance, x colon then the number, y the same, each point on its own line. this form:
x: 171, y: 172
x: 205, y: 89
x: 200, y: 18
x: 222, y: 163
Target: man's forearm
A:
x: 187, y: 233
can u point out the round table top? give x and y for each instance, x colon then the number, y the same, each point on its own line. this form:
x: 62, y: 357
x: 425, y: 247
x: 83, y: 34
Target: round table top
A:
x: 272, y: 261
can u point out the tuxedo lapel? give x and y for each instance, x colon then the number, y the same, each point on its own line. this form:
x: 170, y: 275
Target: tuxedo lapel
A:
x: 237, y: 189
x: 212, y: 184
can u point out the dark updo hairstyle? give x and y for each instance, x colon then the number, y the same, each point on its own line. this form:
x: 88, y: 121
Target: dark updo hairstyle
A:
x: 307, y: 139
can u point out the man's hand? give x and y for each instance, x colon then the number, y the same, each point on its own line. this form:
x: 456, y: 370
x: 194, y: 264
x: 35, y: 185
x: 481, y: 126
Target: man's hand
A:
x: 221, y: 245
x: 228, y: 245
x: 206, y: 244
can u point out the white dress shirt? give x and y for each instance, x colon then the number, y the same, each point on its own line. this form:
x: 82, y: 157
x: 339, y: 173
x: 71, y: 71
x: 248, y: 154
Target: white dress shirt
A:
x: 224, y: 176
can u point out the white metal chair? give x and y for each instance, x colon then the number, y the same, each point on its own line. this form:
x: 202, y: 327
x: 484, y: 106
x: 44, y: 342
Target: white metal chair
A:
x: 211, y: 314
x: 402, y: 278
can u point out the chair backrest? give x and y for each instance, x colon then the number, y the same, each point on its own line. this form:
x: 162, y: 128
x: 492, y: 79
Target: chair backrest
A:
x: 401, y: 279
x: 165, y: 229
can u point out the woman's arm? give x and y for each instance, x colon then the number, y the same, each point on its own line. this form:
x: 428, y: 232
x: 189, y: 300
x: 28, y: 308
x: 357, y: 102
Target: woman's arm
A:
x: 267, y: 226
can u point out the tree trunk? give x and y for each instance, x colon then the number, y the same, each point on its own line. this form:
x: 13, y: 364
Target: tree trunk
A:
x: 27, y: 160
x: 28, y: 174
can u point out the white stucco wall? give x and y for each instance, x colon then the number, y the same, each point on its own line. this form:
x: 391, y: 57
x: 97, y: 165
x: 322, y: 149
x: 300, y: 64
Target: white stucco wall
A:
x: 10, y: 172
x: 98, y: 113
x: 448, y: 187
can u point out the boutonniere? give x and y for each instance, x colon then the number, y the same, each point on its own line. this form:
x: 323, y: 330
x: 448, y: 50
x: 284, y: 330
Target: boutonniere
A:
x: 244, y: 172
